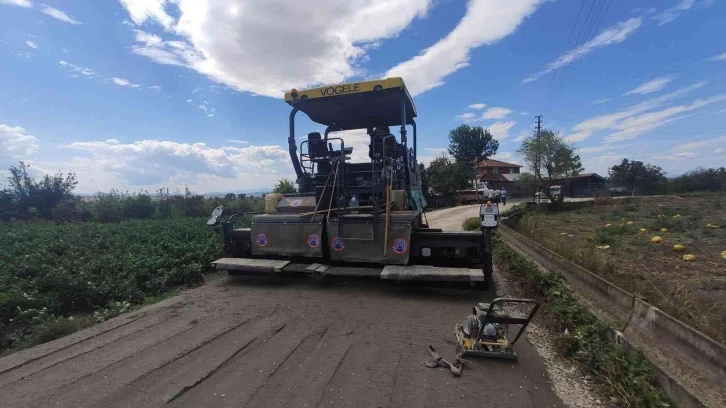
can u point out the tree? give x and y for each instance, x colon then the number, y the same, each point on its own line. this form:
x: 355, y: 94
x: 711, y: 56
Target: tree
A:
x: 29, y: 196
x: 566, y: 163
x: 550, y: 157
x: 425, y: 185
x: 467, y: 143
x: 636, y: 175
x: 701, y: 179
x: 447, y: 177
x: 284, y: 186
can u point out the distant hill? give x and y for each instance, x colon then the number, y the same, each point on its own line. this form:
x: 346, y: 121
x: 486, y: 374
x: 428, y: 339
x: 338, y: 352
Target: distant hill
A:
x: 249, y: 192
x: 257, y: 193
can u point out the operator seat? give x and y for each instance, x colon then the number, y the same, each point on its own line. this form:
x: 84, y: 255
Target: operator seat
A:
x: 379, y: 139
x: 316, y: 147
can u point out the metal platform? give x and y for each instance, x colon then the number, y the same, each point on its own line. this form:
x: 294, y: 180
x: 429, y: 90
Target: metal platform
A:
x: 431, y: 273
x: 252, y: 266
x: 389, y: 272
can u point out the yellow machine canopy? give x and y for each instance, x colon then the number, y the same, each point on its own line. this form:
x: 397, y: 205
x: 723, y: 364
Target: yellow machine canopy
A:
x: 356, y: 105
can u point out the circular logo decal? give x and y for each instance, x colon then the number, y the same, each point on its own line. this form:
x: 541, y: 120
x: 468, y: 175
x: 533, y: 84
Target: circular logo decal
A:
x: 399, y: 246
x: 313, y: 240
x: 337, y: 243
x: 261, y: 239
x: 296, y: 202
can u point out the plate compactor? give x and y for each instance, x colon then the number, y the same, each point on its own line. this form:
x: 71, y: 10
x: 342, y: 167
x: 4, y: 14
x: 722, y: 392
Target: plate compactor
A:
x: 357, y: 213
x: 484, y: 333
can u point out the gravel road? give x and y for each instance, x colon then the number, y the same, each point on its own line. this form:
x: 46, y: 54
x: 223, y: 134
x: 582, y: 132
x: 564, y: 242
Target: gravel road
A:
x: 301, y: 342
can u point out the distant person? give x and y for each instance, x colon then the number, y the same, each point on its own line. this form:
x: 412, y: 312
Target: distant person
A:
x: 497, y: 194
x: 503, y: 194
x: 490, y: 195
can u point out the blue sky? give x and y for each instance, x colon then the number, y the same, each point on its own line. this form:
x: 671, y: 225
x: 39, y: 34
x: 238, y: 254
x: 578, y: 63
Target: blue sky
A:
x: 140, y: 94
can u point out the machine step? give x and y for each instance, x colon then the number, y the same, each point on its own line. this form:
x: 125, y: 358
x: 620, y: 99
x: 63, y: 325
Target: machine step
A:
x: 254, y: 266
x: 249, y: 266
x: 431, y: 273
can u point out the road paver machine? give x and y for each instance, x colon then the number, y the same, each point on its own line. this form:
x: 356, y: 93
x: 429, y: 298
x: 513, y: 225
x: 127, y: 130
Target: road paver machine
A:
x: 356, y: 213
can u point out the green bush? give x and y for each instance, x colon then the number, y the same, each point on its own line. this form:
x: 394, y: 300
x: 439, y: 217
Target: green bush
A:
x: 622, y: 372
x: 48, y: 271
x: 471, y: 224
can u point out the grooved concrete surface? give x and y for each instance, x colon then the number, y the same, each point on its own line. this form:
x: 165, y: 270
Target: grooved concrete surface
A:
x: 302, y: 342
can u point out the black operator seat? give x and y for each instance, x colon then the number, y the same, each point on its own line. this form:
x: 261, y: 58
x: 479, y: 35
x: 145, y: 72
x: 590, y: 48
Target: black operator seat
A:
x: 316, y: 147
x: 379, y: 136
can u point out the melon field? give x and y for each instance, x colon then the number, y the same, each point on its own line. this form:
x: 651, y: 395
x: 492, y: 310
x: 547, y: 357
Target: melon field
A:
x: 669, y: 250
x: 57, y: 278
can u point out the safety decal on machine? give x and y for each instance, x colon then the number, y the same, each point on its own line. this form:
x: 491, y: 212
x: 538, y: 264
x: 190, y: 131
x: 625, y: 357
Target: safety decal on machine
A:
x: 261, y: 239
x: 337, y: 243
x: 296, y: 202
x: 313, y: 240
x: 399, y: 246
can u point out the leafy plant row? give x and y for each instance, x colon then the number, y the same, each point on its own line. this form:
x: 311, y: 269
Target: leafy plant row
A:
x: 50, y: 271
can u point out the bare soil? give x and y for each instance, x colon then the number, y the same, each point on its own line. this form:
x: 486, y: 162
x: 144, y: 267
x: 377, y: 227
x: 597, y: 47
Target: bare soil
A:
x: 694, y: 292
x: 299, y: 342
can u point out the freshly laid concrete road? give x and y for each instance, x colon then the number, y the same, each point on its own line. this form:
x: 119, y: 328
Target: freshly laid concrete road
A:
x: 300, y: 342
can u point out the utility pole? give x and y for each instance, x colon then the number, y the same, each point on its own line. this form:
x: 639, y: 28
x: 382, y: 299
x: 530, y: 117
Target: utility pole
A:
x: 539, y: 131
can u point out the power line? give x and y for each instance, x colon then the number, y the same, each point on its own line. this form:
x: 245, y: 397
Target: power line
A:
x: 577, y: 55
x: 591, y: 34
x: 567, y: 46
x: 578, y: 43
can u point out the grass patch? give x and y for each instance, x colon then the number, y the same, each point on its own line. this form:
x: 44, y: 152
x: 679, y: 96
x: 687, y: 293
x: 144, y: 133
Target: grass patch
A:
x: 621, y: 372
x: 471, y: 224
x: 612, y: 235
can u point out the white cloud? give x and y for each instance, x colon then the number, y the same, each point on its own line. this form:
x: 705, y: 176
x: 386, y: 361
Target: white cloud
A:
x: 613, y: 35
x: 268, y: 47
x: 577, y: 137
x: 496, y: 112
x: 65, y: 51
x: 720, y: 150
x: 524, y: 113
x: 15, y: 144
x: 466, y: 116
x: 651, y: 86
x: 585, y: 128
x: 500, y: 130
x: 599, y: 101
x: 522, y: 136
x: 238, y: 141
x: 31, y: 44
x: 477, y: 106
x: 208, y: 110
x: 699, y: 144
x: 673, y: 13
x: 120, y: 81
x: 149, y: 163
x: 77, y: 69
x: 142, y: 10
x: 134, y: 85
x: 189, y: 101
x: 720, y: 57
x: 21, y: 3
x: 59, y: 15
x: 637, y: 125
x: 485, y: 22
x: 430, y: 153
x: 154, y: 87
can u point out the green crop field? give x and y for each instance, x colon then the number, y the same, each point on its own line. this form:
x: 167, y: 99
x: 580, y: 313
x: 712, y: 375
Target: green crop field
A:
x: 57, y: 278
